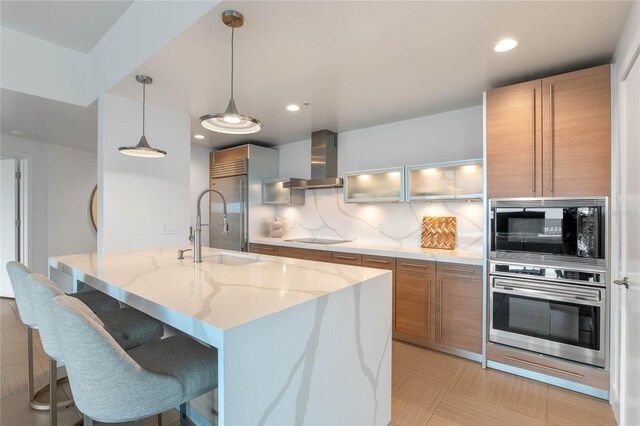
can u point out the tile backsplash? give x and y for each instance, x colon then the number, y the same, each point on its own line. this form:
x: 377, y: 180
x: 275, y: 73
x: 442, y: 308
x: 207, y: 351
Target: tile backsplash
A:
x: 326, y: 215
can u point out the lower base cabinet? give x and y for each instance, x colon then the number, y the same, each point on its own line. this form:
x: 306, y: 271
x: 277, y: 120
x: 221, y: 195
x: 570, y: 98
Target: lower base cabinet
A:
x: 415, y: 293
x: 459, y: 306
x: 433, y: 302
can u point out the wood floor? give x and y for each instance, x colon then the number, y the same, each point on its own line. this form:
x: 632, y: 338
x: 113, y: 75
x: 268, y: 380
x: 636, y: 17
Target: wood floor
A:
x: 429, y: 388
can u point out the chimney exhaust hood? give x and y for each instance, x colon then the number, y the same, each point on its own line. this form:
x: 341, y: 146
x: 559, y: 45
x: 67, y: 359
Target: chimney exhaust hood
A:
x: 324, y: 163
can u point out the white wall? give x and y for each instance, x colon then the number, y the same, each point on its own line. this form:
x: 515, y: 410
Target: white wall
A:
x: 138, y: 197
x: 60, y: 181
x: 199, y: 181
x: 626, y: 52
x: 78, y: 78
x: 455, y: 135
x: 7, y: 220
x: 24, y: 58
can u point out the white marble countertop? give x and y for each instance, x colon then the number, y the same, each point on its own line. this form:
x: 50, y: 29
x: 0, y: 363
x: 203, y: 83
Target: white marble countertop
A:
x: 220, y: 295
x: 453, y: 256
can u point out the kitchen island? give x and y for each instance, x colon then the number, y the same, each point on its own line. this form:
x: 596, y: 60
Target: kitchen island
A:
x: 299, y: 342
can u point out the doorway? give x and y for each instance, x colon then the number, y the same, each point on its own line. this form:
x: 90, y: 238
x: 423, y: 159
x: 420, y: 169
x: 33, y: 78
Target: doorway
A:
x: 12, y: 242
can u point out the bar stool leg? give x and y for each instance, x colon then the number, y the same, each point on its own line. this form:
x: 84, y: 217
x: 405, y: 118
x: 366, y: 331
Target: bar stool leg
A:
x: 88, y: 421
x: 34, y: 400
x: 160, y: 419
x: 30, y: 391
x: 184, y: 421
x: 53, y: 392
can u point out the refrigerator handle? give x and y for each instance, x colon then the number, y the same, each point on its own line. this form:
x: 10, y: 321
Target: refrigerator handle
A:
x: 243, y: 204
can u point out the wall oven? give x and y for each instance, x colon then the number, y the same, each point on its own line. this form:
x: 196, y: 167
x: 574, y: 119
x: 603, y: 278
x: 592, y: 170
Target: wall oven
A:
x: 553, y: 311
x: 557, y: 231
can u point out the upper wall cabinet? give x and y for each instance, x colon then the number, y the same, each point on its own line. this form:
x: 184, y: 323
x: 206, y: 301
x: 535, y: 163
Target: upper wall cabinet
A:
x: 374, y: 186
x: 550, y: 137
x: 459, y: 180
x: 274, y: 193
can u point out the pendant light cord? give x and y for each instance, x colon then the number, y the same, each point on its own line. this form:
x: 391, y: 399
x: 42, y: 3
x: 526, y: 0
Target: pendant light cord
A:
x: 144, y: 84
x: 233, y: 27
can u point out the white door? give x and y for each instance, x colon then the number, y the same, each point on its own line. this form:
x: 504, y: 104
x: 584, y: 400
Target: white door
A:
x: 630, y: 250
x: 8, y: 215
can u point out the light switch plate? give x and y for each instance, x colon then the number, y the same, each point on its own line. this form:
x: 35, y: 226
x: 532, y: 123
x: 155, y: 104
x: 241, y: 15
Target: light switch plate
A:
x: 137, y: 229
x: 168, y: 228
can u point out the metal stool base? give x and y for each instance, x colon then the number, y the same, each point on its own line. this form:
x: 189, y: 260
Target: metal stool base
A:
x: 36, y: 403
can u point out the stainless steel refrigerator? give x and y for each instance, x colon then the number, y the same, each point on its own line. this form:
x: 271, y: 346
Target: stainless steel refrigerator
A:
x: 234, y: 189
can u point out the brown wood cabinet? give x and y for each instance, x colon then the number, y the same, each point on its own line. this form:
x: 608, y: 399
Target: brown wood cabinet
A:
x: 459, y: 306
x: 577, y: 133
x: 415, y: 300
x: 306, y: 254
x: 514, y: 135
x: 264, y: 249
x: 354, y: 259
x: 550, y: 137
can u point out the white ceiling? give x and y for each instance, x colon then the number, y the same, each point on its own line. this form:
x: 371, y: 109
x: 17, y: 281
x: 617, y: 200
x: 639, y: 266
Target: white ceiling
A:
x: 77, y: 25
x: 366, y: 63
x: 45, y: 120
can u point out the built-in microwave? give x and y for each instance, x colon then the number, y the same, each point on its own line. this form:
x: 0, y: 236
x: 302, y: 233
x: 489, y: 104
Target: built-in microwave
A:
x: 549, y: 230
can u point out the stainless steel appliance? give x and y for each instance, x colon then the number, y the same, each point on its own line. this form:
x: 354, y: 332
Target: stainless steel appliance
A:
x: 229, y: 179
x: 555, y: 311
x: 550, y: 231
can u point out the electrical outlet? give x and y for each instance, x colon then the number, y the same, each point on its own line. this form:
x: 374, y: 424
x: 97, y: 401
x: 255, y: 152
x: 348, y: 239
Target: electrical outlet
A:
x: 380, y: 227
x: 137, y: 229
x: 293, y: 224
x: 168, y: 228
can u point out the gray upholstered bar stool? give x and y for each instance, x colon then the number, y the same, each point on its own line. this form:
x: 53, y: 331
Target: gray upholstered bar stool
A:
x: 111, y: 385
x: 95, y: 300
x: 128, y: 327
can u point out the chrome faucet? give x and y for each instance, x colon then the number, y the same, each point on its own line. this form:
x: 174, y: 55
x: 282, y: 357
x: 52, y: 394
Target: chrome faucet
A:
x: 197, y: 243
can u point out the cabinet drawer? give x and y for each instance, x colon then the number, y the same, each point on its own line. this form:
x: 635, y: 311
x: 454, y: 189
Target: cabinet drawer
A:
x: 590, y: 376
x: 307, y: 254
x: 457, y: 270
x: 264, y: 249
x: 347, y: 258
x: 379, y: 262
x: 411, y: 265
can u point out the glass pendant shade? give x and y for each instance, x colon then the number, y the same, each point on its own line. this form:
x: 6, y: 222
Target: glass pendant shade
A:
x: 143, y: 149
x: 231, y: 122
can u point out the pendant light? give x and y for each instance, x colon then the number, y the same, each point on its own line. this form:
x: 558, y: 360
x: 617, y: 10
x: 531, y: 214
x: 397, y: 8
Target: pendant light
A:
x: 143, y: 149
x: 231, y: 121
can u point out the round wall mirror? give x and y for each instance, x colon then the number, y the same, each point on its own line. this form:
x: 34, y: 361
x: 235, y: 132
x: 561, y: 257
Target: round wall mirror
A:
x: 93, y: 208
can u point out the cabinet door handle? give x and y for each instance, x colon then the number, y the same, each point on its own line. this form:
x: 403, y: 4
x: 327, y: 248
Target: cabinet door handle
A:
x: 546, y: 367
x: 533, y: 141
x: 384, y: 262
x: 415, y: 265
x: 551, y: 136
x: 345, y: 257
x: 460, y: 270
x: 267, y: 248
x: 439, y: 301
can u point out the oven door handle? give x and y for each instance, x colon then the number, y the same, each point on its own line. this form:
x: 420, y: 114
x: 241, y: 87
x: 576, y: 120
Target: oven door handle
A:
x: 532, y: 289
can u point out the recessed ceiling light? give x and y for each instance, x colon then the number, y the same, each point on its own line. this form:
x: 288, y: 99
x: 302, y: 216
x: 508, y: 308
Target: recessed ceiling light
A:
x: 505, y: 45
x: 293, y: 108
x: 198, y: 136
x: 16, y: 132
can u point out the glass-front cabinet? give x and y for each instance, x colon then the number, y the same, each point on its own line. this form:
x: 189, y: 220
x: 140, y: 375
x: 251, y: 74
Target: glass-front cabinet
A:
x: 274, y: 193
x: 374, y: 186
x: 459, y: 180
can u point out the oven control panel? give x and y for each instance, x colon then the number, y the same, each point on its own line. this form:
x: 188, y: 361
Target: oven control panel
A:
x: 548, y: 273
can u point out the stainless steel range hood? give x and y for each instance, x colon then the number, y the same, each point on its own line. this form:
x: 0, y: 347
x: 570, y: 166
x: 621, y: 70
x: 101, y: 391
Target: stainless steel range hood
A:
x: 324, y: 163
